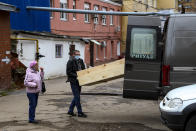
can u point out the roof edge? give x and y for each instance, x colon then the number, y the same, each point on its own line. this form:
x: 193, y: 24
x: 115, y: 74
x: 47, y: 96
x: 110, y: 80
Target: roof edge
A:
x: 111, y: 2
x: 7, y: 7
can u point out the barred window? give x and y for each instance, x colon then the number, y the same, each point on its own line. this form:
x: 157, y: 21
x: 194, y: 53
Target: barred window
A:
x: 96, y: 19
x: 59, y: 51
x: 64, y: 5
x: 104, y: 16
x: 86, y: 16
x: 111, y: 17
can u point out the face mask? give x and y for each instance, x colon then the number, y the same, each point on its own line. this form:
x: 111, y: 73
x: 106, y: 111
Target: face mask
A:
x: 77, y: 57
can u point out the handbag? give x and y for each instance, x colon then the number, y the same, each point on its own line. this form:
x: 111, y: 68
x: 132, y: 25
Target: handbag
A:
x: 43, y: 87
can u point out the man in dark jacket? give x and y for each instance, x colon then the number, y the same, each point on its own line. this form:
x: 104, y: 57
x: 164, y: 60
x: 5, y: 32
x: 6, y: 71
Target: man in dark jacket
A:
x: 75, y: 64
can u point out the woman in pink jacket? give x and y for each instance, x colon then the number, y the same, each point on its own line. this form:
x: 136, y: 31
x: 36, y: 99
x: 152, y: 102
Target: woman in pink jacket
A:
x: 33, y: 83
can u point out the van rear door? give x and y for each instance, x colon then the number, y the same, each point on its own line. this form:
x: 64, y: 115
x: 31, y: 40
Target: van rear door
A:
x: 143, y: 58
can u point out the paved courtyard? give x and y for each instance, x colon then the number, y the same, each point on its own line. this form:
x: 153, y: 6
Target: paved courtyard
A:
x: 103, y: 103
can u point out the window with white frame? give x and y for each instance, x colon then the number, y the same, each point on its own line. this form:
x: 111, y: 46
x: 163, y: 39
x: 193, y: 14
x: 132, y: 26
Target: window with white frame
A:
x: 112, y: 46
x: 118, y: 48
x: 155, y: 4
x: 118, y: 22
x: 104, y: 49
x: 96, y: 8
x: 51, y: 5
x: 146, y: 2
x: 64, y: 5
x: 111, y: 17
x: 104, y: 16
x: 152, y: 3
x: 59, y: 51
x: 97, y: 52
x: 74, y: 7
x: 86, y: 16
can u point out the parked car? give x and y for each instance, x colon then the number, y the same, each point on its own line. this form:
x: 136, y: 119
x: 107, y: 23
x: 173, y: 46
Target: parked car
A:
x: 178, y: 108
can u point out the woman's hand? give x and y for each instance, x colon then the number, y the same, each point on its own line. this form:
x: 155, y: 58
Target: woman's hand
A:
x: 42, y: 69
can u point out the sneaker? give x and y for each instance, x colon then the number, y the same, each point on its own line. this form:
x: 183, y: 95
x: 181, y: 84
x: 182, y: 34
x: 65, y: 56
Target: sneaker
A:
x: 34, y: 122
x: 82, y: 115
x: 71, y: 114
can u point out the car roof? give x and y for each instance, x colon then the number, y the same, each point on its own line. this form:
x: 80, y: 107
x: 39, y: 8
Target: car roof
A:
x: 183, y: 15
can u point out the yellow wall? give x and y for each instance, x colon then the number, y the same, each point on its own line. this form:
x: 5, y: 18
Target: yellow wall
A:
x: 167, y: 4
x: 132, y: 6
x: 191, y: 5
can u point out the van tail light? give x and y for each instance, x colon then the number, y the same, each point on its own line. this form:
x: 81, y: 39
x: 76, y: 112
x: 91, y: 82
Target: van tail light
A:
x: 166, y: 75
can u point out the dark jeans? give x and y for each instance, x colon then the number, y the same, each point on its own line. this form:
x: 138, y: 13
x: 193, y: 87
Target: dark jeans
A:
x: 76, y: 90
x: 33, y: 98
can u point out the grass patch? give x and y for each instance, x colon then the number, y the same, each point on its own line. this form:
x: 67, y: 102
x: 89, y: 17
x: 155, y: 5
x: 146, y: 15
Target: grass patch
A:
x: 3, y: 93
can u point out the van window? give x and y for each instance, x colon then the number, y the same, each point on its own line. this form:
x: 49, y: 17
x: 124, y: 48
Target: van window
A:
x: 143, y: 43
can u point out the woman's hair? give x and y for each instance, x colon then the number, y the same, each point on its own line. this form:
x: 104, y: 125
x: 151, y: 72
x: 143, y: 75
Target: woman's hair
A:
x: 32, y: 64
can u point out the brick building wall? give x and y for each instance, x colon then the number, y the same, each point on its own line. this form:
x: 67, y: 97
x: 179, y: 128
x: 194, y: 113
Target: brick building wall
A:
x: 187, y: 6
x: 99, y: 57
x: 108, y: 33
x: 78, y: 27
x: 5, y: 47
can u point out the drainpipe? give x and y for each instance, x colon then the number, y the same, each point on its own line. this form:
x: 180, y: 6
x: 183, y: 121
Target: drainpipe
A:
x: 37, y: 55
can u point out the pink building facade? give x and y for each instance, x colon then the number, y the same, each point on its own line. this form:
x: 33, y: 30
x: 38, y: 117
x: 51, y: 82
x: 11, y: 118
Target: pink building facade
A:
x: 104, y: 31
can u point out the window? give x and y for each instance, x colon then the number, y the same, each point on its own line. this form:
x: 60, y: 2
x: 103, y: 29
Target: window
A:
x: 112, y: 46
x: 104, y: 16
x: 118, y: 49
x: 146, y: 2
x: 104, y: 50
x: 152, y: 4
x: 74, y: 7
x: 111, y: 17
x: 59, y: 50
x: 118, y: 21
x: 51, y: 5
x: 155, y: 4
x: 64, y: 5
x: 96, y: 8
x: 87, y: 16
x: 97, y: 52
x: 143, y: 43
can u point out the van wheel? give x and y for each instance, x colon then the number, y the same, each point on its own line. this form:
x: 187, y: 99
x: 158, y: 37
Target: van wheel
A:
x: 191, y: 124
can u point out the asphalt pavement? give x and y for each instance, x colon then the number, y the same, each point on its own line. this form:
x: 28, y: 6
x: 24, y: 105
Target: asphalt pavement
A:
x: 103, y: 103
